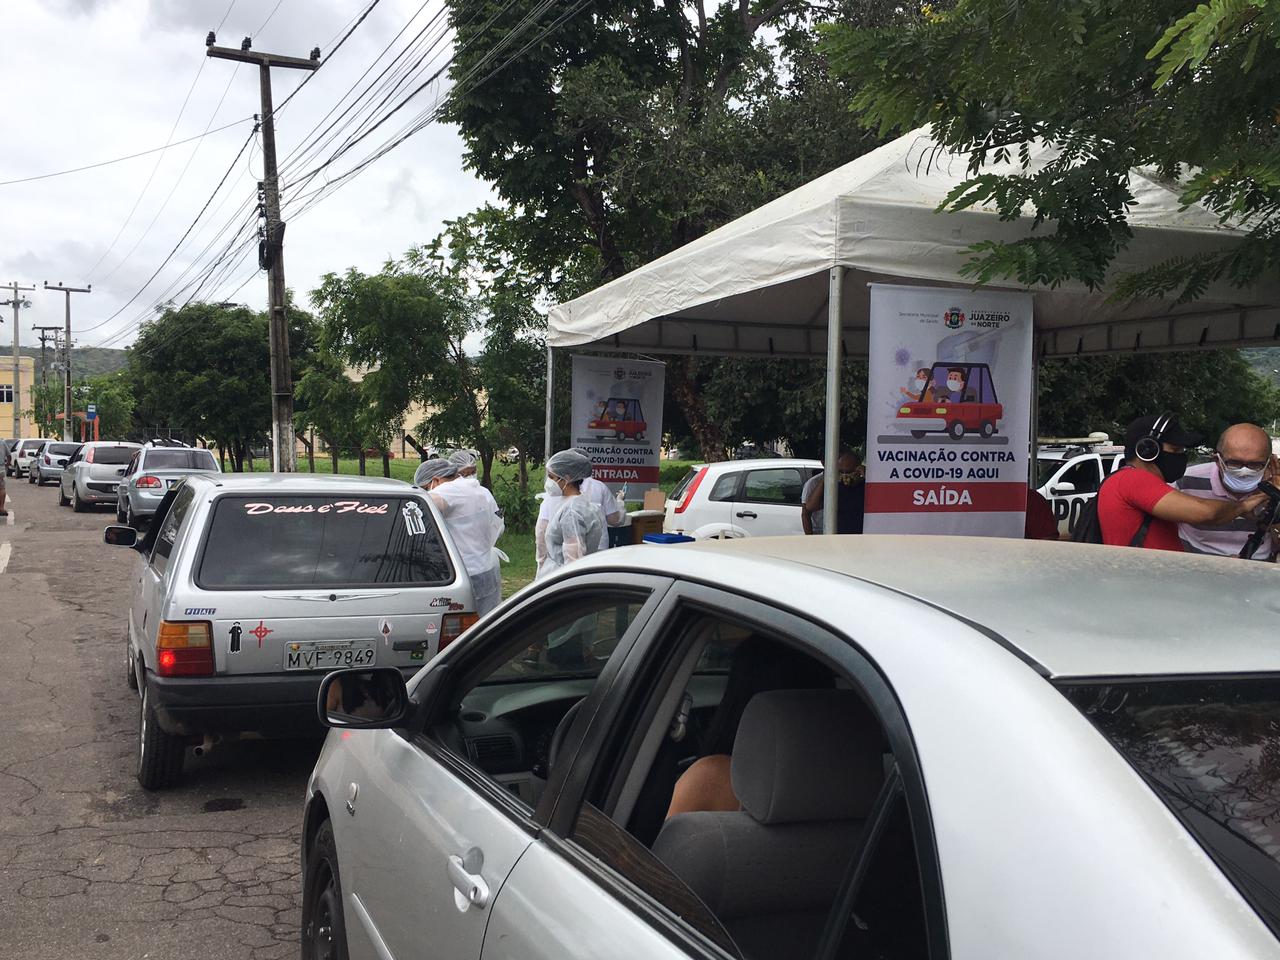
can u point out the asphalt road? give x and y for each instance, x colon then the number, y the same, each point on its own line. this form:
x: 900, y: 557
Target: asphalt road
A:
x: 91, y: 865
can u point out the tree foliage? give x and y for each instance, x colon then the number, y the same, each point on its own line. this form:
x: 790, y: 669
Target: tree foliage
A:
x: 205, y: 368
x: 1190, y: 91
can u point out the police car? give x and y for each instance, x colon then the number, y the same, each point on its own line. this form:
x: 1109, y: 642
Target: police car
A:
x: 1069, y: 472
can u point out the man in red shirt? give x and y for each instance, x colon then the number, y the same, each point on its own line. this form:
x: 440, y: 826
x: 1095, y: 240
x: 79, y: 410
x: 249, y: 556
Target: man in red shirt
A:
x: 1136, y: 505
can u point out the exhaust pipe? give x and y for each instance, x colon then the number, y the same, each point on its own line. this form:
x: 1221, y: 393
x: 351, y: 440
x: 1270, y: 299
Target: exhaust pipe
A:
x: 210, y: 741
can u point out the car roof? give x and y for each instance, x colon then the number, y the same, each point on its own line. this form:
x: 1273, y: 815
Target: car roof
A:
x: 111, y: 443
x: 761, y: 462
x: 1069, y: 609
x: 322, y: 483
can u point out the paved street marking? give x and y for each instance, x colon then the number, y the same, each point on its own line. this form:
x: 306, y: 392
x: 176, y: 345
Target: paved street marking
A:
x: 5, y: 550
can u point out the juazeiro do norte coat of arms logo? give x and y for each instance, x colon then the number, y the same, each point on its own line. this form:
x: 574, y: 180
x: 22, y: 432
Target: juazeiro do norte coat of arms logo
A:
x: 953, y: 319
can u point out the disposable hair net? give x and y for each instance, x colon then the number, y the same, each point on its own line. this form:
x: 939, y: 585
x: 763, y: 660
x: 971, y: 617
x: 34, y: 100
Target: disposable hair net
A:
x: 462, y: 458
x: 429, y: 470
x: 570, y: 465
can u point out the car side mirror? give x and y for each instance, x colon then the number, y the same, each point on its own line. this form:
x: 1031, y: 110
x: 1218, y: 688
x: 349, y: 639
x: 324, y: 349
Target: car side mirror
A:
x: 1059, y: 489
x: 120, y: 536
x: 363, y: 699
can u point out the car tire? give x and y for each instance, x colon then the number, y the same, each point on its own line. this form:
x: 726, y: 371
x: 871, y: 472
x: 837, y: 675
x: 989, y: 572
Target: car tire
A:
x: 32, y: 477
x: 62, y: 497
x: 918, y: 434
x: 160, y: 754
x: 130, y: 674
x: 988, y: 429
x: 119, y: 513
x: 956, y: 430
x: 129, y: 519
x: 324, y: 931
x: 78, y: 505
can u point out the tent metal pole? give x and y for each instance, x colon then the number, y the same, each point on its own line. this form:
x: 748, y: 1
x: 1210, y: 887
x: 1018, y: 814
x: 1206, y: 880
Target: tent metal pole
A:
x: 830, y: 477
x: 551, y: 385
x: 1035, y: 410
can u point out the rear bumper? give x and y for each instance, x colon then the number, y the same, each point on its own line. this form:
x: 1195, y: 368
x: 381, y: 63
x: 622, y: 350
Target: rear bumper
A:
x: 274, y: 704
x: 91, y: 492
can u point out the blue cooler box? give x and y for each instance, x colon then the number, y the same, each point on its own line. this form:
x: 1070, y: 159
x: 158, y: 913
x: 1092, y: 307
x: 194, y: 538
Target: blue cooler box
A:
x: 667, y: 538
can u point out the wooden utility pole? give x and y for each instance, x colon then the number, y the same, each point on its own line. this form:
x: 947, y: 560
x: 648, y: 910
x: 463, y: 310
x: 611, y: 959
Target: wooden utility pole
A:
x: 271, y: 247
x: 66, y: 383
x: 46, y: 334
x: 17, y: 301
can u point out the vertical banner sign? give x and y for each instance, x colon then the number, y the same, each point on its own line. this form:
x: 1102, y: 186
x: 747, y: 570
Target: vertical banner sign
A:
x: 948, y: 411
x: 617, y: 417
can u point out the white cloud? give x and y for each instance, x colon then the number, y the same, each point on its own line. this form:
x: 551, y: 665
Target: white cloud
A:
x: 96, y: 79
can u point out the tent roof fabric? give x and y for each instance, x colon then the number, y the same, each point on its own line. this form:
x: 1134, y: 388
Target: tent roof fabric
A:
x: 759, y: 285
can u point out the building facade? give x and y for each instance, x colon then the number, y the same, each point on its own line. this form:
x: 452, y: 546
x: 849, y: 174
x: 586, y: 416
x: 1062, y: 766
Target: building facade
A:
x: 26, y: 377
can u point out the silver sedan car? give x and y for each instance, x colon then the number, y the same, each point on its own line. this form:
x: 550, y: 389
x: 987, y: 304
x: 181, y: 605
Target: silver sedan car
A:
x: 93, y: 473
x: 48, y: 464
x: 818, y: 747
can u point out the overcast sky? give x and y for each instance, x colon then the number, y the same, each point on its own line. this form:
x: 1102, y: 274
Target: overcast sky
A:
x: 90, y: 80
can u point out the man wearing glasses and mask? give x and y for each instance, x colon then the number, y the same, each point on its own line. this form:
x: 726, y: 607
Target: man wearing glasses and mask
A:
x: 1243, y: 460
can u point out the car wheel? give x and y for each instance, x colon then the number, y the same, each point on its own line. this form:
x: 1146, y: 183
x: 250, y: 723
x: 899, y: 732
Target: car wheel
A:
x: 159, y: 754
x: 62, y: 497
x: 917, y: 433
x: 78, y: 505
x: 31, y: 477
x: 956, y: 430
x: 119, y: 513
x: 324, y: 933
x: 988, y: 428
x: 129, y: 518
x: 130, y: 675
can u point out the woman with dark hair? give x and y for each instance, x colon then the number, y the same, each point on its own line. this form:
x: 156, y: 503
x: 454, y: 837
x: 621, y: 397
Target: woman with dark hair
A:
x: 759, y: 665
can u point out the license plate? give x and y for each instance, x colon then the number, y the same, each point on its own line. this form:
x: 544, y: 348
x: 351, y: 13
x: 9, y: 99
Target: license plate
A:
x: 329, y: 654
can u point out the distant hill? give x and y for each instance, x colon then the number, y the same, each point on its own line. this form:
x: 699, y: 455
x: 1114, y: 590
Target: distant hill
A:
x: 85, y: 361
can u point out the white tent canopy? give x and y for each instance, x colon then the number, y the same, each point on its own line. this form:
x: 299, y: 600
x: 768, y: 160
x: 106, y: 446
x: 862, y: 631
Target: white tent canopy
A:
x: 760, y: 285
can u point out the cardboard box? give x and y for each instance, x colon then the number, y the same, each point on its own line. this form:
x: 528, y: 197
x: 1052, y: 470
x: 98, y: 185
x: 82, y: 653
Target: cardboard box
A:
x: 655, y: 499
x: 645, y: 521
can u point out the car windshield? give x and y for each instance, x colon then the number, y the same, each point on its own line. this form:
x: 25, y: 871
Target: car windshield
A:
x: 112, y: 455
x: 683, y: 485
x: 1045, y: 469
x: 1210, y: 748
x: 348, y: 540
x: 180, y: 460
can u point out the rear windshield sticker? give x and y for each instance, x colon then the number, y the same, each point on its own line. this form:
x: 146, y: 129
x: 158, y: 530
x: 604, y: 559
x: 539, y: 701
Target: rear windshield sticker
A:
x: 261, y: 631
x: 413, y: 520
x: 385, y: 630
x: 338, y: 506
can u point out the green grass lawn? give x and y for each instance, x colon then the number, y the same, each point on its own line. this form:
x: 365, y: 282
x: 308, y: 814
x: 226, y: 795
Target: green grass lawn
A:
x: 519, y: 572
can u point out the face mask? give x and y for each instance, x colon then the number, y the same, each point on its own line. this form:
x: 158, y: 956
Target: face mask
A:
x: 848, y: 478
x: 552, y: 488
x: 955, y: 386
x: 1171, y: 465
x: 920, y: 384
x: 1240, y: 479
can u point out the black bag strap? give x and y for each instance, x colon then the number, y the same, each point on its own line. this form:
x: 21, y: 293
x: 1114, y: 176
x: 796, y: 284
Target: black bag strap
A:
x: 1141, y: 535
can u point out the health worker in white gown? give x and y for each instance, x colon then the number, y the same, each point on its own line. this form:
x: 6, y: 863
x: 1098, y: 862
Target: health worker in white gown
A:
x: 474, y: 523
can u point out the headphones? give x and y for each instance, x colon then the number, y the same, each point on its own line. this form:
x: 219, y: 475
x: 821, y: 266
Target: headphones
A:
x: 1148, y: 448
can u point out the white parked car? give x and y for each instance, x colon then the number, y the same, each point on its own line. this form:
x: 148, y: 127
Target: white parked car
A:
x: 953, y: 760
x: 739, y: 498
x: 1069, y: 477
x: 22, y: 455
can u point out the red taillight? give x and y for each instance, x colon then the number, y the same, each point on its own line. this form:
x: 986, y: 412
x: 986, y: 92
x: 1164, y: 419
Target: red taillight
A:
x: 88, y: 457
x: 688, y: 494
x: 46, y: 459
x: 185, y: 649
x: 148, y: 482
x: 453, y: 625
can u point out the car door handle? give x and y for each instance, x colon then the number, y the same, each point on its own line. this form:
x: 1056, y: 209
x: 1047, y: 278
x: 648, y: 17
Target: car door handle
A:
x: 746, y: 513
x: 470, y: 886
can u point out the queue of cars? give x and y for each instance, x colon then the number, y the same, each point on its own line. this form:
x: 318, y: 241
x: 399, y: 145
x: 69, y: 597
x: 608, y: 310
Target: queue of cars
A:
x: 511, y: 791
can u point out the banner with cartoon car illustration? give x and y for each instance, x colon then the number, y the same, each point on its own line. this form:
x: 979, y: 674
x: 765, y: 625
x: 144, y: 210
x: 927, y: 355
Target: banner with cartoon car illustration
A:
x: 617, y: 417
x: 948, y: 411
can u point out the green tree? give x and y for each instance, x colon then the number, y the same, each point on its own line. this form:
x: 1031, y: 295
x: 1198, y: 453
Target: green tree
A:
x: 1189, y: 90
x: 204, y: 368
x: 331, y: 402
x: 112, y: 394
x: 634, y: 130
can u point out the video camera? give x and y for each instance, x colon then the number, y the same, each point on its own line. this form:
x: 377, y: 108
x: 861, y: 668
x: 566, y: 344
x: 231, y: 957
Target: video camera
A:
x: 1269, y: 517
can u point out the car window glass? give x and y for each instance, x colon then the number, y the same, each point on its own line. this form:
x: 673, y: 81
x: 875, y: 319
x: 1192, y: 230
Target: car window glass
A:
x: 61, y: 449
x: 667, y: 778
x: 725, y: 487
x: 167, y: 536
x: 777, y: 485
x: 115, y: 456
x: 1083, y: 474
x: 305, y: 541
x: 180, y: 460
x: 1045, y: 469
x: 503, y: 721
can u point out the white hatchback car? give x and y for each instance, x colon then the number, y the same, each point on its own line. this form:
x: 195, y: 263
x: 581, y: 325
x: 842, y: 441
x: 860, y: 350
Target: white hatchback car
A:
x: 1069, y: 477
x: 882, y: 762
x: 739, y: 498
